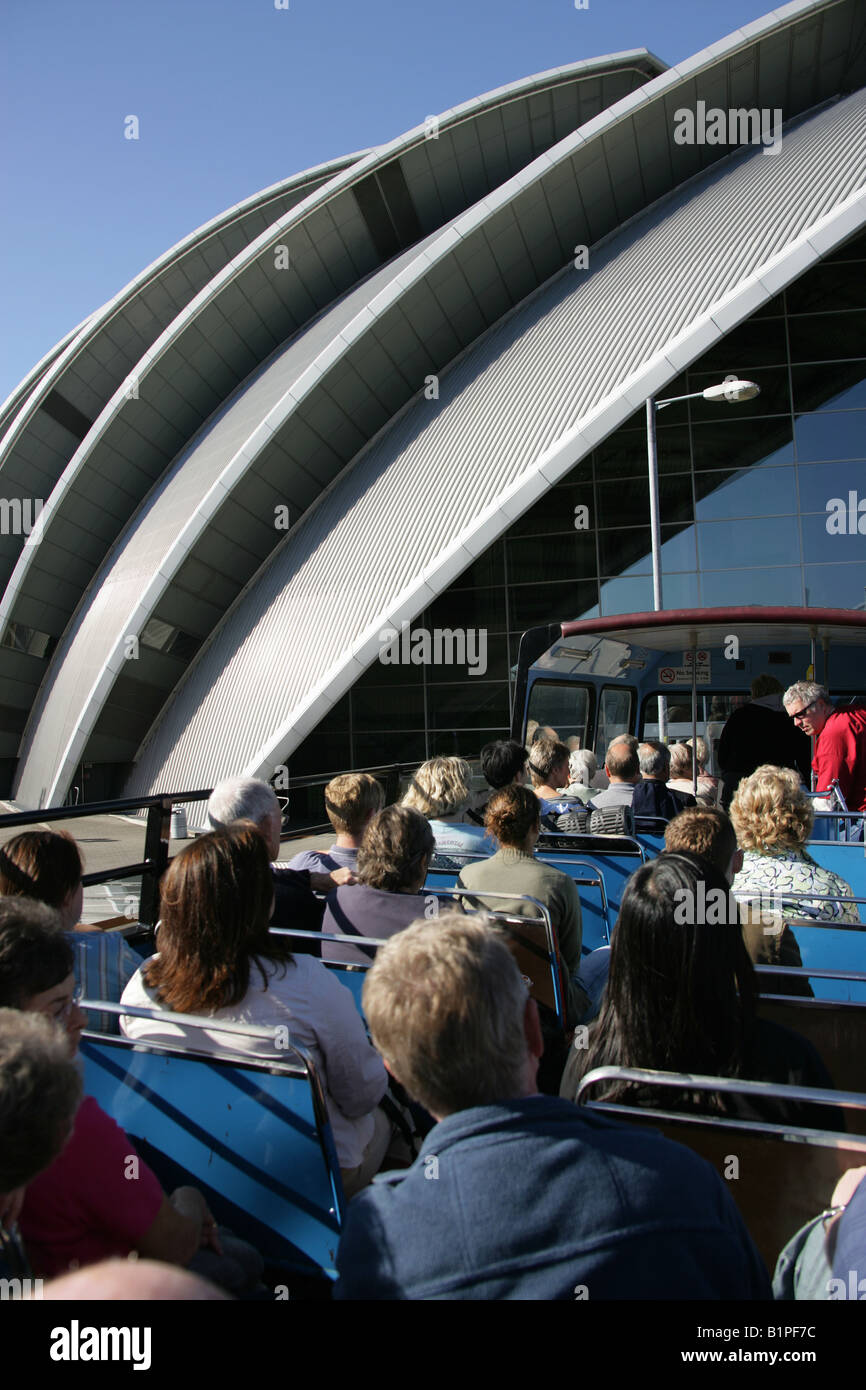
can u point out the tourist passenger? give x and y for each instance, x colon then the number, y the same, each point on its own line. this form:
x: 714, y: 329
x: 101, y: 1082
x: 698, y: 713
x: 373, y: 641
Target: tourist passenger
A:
x: 83, y: 1207
x: 47, y: 866
x: 758, y: 733
x: 708, y: 787
x: 393, y: 861
x: 584, y: 776
x: 773, y: 818
x: 623, y: 771
x: 246, y: 798
x: 351, y: 802
x: 653, y: 795
x: 40, y: 1091
x: 514, y: 821
x: 682, y: 778
x: 840, y: 743
x: 532, y: 1198
x: 441, y: 790
x: 681, y: 997
x: 217, y: 958
x: 549, y: 771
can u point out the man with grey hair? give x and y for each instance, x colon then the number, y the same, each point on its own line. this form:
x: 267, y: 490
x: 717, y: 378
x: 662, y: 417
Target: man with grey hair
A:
x: 248, y: 798
x: 519, y: 1195
x: 840, y: 742
x: 623, y: 773
x: 652, y: 797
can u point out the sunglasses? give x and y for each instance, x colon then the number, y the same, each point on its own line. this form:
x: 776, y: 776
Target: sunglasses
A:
x: 798, y: 714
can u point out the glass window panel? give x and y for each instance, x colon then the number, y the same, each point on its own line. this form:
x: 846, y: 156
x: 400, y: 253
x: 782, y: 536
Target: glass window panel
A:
x: 390, y: 674
x: 464, y: 743
x: 635, y: 595
x: 571, y: 555
x: 484, y: 650
x: 836, y: 586
x: 739, y: 588
x: 837, y: 434
x: 753, y: 492
x: 827, y: 337
x: 675, y: 497
x: 677, y: 550
x: 830, y: 386
x: 322, y: 752
x: 623, y: 504
x: 722, y: 544
x: 564, y: 708
x: 467, y: 608
x: 740, y: 443
x: 401, y: 708
x: 772, y: 309
x: 622, y: 455
x: 614, y: 717
x: 555, y: 510
x: 752, y: 344
x: 818, y: 482
x: 829, y: 287
x: 473, y: 704
x: 774, y: 398
x: 822, y: 546
x: 385, y: 746
x: 853, y: 249
x: 533, y: 604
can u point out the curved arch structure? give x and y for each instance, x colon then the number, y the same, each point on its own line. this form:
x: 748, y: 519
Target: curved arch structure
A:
x: 390, y: 495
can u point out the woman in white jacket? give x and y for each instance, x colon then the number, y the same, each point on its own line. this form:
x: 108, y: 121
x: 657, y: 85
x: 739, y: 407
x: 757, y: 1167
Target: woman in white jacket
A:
x: 216, y: 957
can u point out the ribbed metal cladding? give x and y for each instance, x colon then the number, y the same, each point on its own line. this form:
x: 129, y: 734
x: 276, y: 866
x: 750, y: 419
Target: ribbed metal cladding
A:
x: 449, y: 476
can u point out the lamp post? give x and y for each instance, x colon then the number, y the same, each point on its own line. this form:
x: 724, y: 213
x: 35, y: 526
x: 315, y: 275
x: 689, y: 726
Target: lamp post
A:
x: 732, y: 390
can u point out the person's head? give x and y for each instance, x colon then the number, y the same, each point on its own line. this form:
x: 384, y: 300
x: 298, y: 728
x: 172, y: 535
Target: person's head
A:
x: 512, y: 816
x: 808, y: 704
x: 124, y: 1281
x: 764, y: 685
x: 770, y: 811
x: 707, y: 832
x: 503, y: 762
x: 621, y: 760
x: 700, y: 750
x: 47, y: 866
x: 395, y: 851
x: 548, y: 763
x: 450, y: 1015
x: 247, y: 799
x: 681, y: 990
x: 441, y: 787
x: 36, y: 965
x: 654, y: 760
x: 40, y: 1091
x: 681, y: 761
x: 351, y: 802
x: 216, y: 900
x: 582, y: 766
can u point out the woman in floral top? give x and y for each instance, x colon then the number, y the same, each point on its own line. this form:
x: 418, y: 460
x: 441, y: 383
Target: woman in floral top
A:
x: 773, y: 819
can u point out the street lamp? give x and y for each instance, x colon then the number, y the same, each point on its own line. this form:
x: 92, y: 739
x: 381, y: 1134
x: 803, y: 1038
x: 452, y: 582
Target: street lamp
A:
x: 732, y: 390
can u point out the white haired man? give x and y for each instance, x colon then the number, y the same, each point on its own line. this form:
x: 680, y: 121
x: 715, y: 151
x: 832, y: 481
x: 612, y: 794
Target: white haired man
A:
x: 519, y: 1195
x: 247, y: 798
x: 840, y: 742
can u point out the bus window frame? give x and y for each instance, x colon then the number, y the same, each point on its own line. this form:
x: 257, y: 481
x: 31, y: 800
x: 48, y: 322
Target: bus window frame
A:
x: 568, y: 685
x: 633, y: 695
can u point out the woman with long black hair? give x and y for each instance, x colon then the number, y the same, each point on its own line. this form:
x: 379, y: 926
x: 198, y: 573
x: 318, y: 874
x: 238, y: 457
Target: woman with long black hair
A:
x: 682, y: 997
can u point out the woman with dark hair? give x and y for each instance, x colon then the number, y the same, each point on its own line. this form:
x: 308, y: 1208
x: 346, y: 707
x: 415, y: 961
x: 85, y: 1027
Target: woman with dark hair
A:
x: 681, y: 997
x: 514, y: 820
x: 46, y: 865
x: 216, y: 957
x: 393, y: 860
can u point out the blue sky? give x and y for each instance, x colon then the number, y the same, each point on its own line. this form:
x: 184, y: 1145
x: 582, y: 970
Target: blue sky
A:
x: 234, y: 95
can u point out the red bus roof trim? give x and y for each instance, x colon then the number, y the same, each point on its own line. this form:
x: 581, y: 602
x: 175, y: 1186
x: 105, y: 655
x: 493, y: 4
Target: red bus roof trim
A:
x: 701, y: 617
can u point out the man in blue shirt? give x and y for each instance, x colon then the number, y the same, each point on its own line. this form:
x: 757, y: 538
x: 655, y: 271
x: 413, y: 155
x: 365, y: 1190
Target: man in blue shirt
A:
x: 518, y: 1195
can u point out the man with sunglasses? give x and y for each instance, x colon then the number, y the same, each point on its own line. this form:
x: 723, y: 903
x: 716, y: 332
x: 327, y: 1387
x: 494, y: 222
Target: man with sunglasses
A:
x: 840, y: 743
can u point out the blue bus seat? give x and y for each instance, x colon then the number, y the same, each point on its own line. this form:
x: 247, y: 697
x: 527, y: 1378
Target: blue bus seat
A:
x: 252, y: 1134
x: 784, y: 1175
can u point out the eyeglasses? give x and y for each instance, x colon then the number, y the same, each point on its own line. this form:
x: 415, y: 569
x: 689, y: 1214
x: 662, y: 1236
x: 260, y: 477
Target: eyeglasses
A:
x: 798, y: 714
x: 62, y: 1012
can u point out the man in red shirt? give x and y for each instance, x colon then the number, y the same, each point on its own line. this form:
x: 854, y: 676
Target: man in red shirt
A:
x: 840, y: 742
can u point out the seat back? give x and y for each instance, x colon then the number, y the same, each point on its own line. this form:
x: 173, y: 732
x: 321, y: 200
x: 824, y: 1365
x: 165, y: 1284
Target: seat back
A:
x: 837, y: 1031
x: 532, y: 940
x: 252, y: 1133
x: 779, y: 1177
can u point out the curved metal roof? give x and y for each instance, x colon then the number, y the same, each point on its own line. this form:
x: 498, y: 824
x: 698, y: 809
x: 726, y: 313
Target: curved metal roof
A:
x: 438, y: 486
x: 461, y: 283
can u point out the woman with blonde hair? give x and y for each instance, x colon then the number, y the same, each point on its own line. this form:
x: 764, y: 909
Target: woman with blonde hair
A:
x: 773, y: 818
x: 441, y: 790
